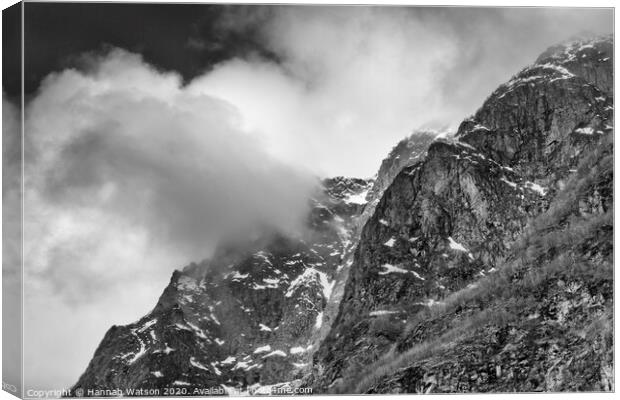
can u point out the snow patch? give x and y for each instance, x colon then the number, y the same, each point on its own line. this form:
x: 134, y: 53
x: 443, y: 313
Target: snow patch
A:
x: 454, y: 245
x: 300, y: 365
x: 167, y: 350
x: 214, y: 318
x: 216, y: 369
x: 389, y: 268
x: 262, y: 349
x: 430, y: 303
x: 196, y: 329
x: 196, y: 364
x: 238, y: 276
x: 275, y: 353
x: 479, y: 127
x: 140, y: 352
x: 536, y: 188
x: 312, y: 274
x: 392, y: 269
x: 147, y: 325
x: 509, y: 183
x: 565, y: 73
x: 272, y: 283
x: 417, y: 275
x: 297, y: 350
x: 182, y: 327
x: 245, y: 365
x: 390, y: 242
x: 319, y: 320
x: 382, y: 312
x: 359, y: 198
x: 228, y: 360
x: 585, y: 131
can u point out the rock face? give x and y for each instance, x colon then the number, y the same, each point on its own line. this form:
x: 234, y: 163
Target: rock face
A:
x: 541, y: 322
x: 450, y: 223
x: 475, y: 262
x: 406, y: 152
x: 249, y: 315
x: 589, y: 58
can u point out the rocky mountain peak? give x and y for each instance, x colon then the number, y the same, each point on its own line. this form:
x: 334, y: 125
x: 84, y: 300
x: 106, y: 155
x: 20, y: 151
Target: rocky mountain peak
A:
x: 349, y: 190
x: 447, y: 222
x: 396, y: 274
x: 248, y: 317
x: 539, y: 121
x: 587, y: 56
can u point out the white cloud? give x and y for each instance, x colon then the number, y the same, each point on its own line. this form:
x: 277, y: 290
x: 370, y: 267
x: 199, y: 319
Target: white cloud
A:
x: 132, y: 174
x: 352, y: 81
x: 129, y: 175
x: 11, y: 242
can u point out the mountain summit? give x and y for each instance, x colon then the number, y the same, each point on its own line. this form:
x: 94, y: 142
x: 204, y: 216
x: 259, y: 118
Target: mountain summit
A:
x: 474, y: 262
x: 481, y: 262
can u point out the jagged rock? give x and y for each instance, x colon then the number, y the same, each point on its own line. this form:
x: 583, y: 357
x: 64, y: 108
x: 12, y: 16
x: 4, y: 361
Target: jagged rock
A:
x: 248, y: 316
x: 588, y: 57
x: 406, y: 152
x: 475, y: 262
x: 452, y: 218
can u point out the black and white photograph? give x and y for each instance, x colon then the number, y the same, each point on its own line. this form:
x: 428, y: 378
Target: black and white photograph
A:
x: 227, y: 199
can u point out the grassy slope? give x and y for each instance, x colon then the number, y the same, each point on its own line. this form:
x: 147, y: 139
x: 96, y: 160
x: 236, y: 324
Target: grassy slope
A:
x: 543, y: 321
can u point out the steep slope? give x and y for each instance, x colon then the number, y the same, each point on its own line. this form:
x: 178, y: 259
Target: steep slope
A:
x: 249, y: 315
x: 391, y: 272
x: 542, y: 322
x: 451, y: 219
x: 253, y: 315
x: 406, y: 152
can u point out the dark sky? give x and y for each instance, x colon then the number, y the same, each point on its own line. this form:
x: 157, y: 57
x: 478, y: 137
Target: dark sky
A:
x: 55, y: 33
x: 187, y: 38
x: 11, y: 50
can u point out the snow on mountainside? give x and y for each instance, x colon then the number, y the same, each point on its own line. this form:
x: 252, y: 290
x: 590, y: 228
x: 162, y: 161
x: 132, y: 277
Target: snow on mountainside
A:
x: 250, y: 316
x: 445, y: 273
x: 588, y: 57
x: 406, y: 152
x: 465, y: 237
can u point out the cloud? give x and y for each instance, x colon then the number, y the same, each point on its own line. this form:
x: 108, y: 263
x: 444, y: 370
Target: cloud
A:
x: 128, y: 176
x: 11, y: 242
x: 348, y: 82
x: 131, y: 173
x: 347, y: 86
x: 124, y: 141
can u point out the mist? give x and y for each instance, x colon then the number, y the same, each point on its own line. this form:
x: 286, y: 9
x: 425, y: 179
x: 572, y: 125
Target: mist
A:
x: 133, y: 171
x: 348, y: 82
x: 130, y: 175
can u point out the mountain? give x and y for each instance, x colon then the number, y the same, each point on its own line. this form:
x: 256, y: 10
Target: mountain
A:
x: 249, y: 314
x: 483, y: 263
x: 473, y: 262
x: 406, y: 152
